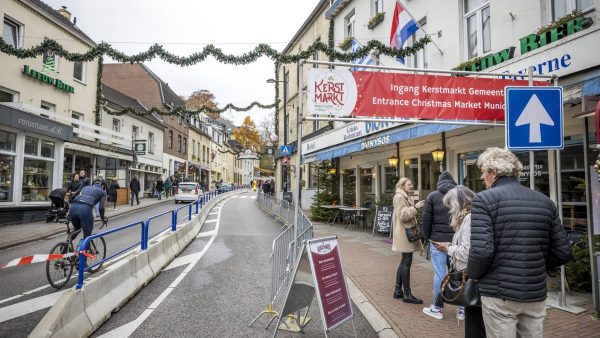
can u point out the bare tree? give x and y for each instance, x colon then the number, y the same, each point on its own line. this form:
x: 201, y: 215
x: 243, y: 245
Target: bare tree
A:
x: 267, y: 130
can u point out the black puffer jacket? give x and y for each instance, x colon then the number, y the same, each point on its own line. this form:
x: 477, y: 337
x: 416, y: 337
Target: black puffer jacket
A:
x: 435, y: 218
x: 516, y: 236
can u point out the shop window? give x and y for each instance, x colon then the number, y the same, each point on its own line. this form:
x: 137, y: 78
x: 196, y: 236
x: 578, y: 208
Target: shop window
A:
x: 469, y: 174
x: 574, y: 188
x: 418, y: 60
x: 477, y: 27
x: 7, y: 95
x: 37, y: 180
x: 31, y: 145
x: 47, y: 149
x: 540, y: 171
x: 79, y: 71
x: 390, y: 178
x: 313, y: 175
x: 134, y: 132
x: 376, y: 7
x: 367, y: 191
x: 178, y: 142
x: 349, y: 187
x: 12, y: 33
x: 7, y: 163
x: 8, y: 141
x: 185, y: 145
x: 411, y: 170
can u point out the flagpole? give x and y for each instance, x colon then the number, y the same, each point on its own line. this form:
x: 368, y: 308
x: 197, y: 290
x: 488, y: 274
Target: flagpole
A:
x: 420, y: 27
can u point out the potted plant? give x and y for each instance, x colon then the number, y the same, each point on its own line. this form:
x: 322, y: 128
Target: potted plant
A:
x: 374, y: 21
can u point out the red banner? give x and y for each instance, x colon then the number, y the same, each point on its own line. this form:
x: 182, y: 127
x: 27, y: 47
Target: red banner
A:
x: 431, y: 97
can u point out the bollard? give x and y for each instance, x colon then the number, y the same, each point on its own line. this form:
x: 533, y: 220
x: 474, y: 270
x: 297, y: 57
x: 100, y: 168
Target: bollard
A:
x: 190, y: 212
x: 174, y: 220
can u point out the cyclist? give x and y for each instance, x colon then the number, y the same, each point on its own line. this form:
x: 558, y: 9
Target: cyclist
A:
x: 81, y: 212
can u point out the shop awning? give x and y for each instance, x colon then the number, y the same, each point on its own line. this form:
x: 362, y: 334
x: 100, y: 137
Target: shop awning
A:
x: 389, y: 137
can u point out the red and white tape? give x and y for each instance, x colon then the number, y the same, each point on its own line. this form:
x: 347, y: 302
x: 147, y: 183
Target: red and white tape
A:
x: 42, y: 258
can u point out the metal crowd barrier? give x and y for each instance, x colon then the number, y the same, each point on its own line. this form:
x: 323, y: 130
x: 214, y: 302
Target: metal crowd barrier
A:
x: 176, y: 218
x: 283, y: 255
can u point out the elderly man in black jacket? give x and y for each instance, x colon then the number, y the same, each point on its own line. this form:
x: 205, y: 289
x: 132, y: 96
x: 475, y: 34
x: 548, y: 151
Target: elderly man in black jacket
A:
x: 516, y: 236
x: 435, y: 220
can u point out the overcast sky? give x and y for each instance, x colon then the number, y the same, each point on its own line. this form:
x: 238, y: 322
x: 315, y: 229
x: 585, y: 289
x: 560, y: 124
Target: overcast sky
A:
x: 185, y: 26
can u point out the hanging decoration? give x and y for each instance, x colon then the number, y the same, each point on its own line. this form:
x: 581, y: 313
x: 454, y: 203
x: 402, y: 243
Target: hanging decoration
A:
x: 158, y: 51
x: 185, y: 112
x: 98, y: 113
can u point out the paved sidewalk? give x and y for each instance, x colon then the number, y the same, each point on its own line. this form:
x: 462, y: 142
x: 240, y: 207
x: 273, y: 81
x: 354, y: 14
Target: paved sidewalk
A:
x: 17, y: 234
x: 371, y: 265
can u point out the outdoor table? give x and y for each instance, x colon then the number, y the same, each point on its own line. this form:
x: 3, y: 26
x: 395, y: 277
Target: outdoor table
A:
x: 350, y: 214
x: 335, y: 214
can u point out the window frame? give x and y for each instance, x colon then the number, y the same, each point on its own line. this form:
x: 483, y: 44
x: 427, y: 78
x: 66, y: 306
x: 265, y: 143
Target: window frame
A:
x: 19, y: 30
x: 349, y: 24
x: 376, y: 7
x: 420, y: 55
x: 151, y: 142
x: 118, y: 125
x: 477, y: 12
x: 15, y: 94
x: 571, y: 6
x: 83, y: 71
x: 179, y: 143
x: 170, y: 140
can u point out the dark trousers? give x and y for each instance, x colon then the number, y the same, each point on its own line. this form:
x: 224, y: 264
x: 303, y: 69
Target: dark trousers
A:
x: 403, y: 272
x: 474, y: 326
x: 81, y: 216
x: 136, y: 195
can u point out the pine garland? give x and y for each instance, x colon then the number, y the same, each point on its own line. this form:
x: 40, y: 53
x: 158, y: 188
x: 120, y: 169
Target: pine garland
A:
x: 183, y: 111
x: 99, y: 91
x: 158, y: 51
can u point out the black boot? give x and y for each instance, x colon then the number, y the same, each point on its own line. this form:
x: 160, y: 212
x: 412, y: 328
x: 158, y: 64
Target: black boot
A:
x: 409, y: 298
x: 398, y: 292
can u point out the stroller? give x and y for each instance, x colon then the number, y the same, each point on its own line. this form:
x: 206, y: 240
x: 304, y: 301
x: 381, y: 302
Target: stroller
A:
x: 59, y: 209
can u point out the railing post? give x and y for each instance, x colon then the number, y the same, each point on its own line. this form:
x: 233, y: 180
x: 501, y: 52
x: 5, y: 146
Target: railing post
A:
x: 174, y: 220
x: 197, y: 206
x: 190, y: 212
x: 83, y: 244
x: 144, y: 241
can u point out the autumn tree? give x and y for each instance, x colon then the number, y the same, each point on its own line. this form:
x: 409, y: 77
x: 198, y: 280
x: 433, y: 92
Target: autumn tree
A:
x: 267, y: 130
x: 202, y: 98
x: 247, y: 135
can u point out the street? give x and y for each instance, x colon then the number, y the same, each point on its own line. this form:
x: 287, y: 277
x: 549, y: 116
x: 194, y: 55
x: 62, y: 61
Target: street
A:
x: 215, y: 287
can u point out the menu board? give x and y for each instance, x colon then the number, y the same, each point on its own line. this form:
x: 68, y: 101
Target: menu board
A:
x: 383, y: 219
x: 328, y: 274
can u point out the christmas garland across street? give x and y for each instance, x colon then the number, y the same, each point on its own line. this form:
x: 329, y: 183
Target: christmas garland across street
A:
x: 158, y: 51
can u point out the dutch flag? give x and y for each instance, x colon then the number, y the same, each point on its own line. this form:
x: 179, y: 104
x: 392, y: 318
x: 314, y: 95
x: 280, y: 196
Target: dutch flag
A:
x: 403, y: 26
x: 365, y: 60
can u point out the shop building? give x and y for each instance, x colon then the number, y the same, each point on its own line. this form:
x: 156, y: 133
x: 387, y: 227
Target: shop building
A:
x: 140, y: 83
x: 146, y: 132
x: 40, y: 96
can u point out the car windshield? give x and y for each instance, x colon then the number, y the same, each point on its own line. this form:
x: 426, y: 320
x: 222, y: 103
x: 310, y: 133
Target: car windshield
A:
x: 187, y: 186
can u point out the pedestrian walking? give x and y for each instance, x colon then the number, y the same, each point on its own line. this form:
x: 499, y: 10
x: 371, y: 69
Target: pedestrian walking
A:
x: 266, y: 187
x: 168, y: 186
x: 160, y: 186
x: 516, y: 236
x: 458, y: 200
x: 272, y: 185
x: 435, y: 221
x: 405, y: 217
x: 134, y: 188
x: 112, y: 192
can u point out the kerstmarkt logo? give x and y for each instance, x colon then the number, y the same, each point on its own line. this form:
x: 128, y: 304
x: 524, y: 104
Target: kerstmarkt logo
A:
x: 331, y: 92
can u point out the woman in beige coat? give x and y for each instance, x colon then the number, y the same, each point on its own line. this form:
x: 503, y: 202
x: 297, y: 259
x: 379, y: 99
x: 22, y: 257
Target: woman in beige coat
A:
x: 404, y: 217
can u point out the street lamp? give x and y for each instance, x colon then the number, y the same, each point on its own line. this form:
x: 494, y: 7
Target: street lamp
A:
x: 393, y: 161
x: 438, y: 155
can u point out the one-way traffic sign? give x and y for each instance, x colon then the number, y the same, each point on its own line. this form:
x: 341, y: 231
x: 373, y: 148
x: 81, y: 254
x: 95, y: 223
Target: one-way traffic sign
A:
x: 534, y: 118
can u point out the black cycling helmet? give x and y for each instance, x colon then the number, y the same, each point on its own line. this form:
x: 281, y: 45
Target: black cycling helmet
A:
x: 97, y: 182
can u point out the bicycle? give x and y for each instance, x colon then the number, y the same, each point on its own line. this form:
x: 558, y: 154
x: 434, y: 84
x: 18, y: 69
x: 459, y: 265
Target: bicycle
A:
x: 59, y: 271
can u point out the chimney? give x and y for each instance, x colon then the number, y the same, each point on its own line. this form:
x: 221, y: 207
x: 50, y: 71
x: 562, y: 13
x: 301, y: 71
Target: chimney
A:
x: 64, y: 12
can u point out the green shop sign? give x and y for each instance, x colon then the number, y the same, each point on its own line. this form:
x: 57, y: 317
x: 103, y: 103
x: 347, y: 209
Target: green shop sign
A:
x: 47, y: 79
x: 558, y: 30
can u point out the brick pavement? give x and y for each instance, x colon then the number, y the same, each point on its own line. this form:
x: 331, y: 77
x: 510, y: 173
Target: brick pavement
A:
x: 16, y: 234
x: 370, y: 263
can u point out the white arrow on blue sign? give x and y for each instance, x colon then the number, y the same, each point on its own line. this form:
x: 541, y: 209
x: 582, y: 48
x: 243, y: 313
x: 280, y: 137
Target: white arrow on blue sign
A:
x: 534, y: 118
x: 285, y: 150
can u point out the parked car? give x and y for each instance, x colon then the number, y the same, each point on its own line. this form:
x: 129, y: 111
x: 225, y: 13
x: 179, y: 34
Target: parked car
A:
x: 187, y: 192
x: 225, y: 186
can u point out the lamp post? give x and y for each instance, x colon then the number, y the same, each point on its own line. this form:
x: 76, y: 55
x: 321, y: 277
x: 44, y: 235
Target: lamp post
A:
x: 284, y: 171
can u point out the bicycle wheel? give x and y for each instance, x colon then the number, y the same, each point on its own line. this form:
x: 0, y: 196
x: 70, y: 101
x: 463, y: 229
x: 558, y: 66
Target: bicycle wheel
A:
x: 98, y: 249
x: 59, y: 271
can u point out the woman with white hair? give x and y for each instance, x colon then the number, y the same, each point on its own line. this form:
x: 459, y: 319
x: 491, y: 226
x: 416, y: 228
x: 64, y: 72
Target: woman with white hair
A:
x: 405, y: 217
x: 458, y: 201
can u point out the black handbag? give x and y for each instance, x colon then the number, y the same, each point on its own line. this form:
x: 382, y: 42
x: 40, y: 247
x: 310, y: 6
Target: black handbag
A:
x: 460, y: 290
x: 414, y: 234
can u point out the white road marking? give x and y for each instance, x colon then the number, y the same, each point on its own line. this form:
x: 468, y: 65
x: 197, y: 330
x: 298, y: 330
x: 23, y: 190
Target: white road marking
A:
x: 10, y: 298
x: 210, y: 221
x: 127, y: 329
x: 28, y: 306
x: 253, y: 196
x: 206, y: 234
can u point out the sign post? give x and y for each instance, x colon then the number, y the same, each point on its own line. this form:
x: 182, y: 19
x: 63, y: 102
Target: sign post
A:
x: 319, y: 259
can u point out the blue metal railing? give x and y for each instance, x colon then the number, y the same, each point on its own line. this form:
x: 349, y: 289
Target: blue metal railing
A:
x: 193, y: 209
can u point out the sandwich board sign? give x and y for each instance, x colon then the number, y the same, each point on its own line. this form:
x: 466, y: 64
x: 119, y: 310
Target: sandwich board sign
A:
x: 319, y: 272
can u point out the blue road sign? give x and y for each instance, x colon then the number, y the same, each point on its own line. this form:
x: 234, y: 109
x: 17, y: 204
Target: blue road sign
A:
x: 285, y: 150
x: 534, y: 118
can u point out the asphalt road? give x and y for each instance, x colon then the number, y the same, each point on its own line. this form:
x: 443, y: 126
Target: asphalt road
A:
x: 26, y: 296
x: 217, y: 285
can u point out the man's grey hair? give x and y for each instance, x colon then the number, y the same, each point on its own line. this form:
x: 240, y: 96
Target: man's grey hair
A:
x: 500, y: 160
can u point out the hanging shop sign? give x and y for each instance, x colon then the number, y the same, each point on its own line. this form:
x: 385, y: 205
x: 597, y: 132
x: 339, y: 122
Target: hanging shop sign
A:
x: 139, y: 147
x: 340, y: 92
x: 47, y: 79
